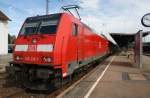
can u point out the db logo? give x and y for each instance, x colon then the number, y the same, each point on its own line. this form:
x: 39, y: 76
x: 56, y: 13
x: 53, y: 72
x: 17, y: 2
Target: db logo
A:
x: 32, y: 47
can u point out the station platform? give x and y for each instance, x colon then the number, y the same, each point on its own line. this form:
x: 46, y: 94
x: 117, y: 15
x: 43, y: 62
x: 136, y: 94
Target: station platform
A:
x: 115, y: 78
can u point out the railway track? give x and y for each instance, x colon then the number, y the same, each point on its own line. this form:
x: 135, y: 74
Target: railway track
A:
x: 14, y: 94
x: 23, y: 93
x: 147, y: 54
x: 2, y: 76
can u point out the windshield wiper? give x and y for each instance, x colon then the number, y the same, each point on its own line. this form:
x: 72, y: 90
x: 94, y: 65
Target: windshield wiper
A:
x: 38, y: 27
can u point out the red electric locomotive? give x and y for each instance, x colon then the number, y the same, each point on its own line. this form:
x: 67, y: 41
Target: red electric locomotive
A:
x: 52, y: 47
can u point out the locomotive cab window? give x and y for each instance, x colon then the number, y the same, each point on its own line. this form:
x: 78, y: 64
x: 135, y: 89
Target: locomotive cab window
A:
x: 48, y: 27
x: 40, y: 25
x: 74, y: 30
x: 29, y: 28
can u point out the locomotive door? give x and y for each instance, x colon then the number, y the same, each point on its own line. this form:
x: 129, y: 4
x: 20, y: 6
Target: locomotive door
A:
x: 80, y: 44
x: 78, y: 34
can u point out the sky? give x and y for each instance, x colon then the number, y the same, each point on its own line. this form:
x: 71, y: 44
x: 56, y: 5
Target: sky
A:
x: 105, y: 16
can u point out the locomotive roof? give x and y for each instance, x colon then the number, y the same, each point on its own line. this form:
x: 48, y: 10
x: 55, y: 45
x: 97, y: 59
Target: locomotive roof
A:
x: 88, y: 27
x: 57, y: 16
x: 102, y: 35
x: 44, y: 17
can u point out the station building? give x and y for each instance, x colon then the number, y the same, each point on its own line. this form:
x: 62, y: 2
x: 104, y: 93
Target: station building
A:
x: 3, y: 33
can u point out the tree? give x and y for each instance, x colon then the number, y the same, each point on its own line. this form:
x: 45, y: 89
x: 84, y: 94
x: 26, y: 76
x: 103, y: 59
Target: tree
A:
x: 11, y: 39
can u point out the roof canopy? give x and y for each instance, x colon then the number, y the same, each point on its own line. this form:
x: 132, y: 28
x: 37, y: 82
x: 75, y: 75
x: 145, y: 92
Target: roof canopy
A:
x: 123, y: 39
x: 3, y: 16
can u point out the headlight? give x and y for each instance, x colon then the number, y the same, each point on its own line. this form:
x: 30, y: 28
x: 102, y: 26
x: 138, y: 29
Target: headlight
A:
x: 47, y: 59
x: 18, y: 58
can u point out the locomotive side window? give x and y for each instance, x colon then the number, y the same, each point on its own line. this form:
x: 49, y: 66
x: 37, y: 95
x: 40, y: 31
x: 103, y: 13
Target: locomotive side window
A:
x: 74, y: 30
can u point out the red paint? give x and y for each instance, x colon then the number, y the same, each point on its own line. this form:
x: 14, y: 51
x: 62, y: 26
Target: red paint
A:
x: 66, y: 46
x: 32, y: 47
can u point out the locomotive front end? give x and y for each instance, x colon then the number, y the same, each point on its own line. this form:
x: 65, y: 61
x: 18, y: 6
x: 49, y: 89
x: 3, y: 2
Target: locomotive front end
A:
x: 32, y: 64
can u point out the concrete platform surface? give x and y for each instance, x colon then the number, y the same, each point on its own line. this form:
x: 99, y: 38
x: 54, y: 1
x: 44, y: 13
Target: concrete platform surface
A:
x: 113, y: 84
